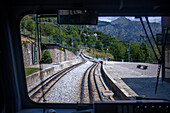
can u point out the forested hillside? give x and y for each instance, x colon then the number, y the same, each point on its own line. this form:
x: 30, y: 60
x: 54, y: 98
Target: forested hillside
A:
x: 82, y: 36
x: 126, y: 29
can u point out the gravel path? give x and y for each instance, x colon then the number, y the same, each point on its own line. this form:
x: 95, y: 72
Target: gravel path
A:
x: 67, y: 89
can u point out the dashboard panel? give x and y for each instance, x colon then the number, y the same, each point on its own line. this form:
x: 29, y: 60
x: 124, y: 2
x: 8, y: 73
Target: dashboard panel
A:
x: 122, y: 106
x: 142, y: 106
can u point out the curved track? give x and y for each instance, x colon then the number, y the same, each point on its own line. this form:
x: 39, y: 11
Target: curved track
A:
x: 91, y: 88
x: 93, y: 84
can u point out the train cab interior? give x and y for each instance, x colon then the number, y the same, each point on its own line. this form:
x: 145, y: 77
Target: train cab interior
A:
x: 14, y: 97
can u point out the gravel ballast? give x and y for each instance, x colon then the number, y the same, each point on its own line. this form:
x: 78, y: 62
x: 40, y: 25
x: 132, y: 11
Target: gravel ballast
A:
x: 67, y: 89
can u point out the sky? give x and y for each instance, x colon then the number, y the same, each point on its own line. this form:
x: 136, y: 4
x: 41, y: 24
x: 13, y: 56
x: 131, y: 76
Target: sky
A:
x: 151, y: 19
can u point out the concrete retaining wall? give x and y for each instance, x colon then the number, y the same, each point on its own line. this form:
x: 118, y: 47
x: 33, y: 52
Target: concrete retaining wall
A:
x: 35, y: 77
x: 112, y: 84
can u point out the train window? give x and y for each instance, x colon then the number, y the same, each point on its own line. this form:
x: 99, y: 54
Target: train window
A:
x: 117, y: 59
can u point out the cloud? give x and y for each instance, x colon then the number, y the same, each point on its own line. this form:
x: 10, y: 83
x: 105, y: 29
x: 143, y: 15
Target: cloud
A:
x: 132, y: 18
x: 155, y: 19
x: 107, y: 19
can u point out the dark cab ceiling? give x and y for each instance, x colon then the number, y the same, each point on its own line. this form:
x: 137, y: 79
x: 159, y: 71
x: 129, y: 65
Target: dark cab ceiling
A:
x: 103, y: 7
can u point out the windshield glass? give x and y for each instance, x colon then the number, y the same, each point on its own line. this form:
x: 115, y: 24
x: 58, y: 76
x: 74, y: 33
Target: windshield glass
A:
x: 114, y: 60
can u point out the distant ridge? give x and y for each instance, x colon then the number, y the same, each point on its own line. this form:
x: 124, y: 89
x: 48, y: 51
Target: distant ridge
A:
x: 125, y: 29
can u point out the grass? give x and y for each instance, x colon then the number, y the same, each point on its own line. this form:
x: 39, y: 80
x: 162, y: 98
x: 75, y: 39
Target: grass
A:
x: 29, y: 71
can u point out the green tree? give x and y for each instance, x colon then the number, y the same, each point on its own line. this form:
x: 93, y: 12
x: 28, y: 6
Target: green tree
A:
x: 118, y: 50
x: 146, y: 52
x: 48, y: 30
x: 135, y: 52
x: 99, y: 45
x: 46, y: 58
x: 30, y: 25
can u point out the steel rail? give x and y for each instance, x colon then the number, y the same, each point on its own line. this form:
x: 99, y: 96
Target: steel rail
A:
x: 90, y: 72
x: 82, y: 83
x: 98, y: 90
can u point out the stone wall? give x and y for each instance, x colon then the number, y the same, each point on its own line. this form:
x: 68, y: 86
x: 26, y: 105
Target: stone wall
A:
x: 30, y: 55
x: 64, y: 54
x: 70, y: 55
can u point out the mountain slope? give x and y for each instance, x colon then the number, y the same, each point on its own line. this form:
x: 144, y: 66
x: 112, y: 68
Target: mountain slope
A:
x: 126, y: 29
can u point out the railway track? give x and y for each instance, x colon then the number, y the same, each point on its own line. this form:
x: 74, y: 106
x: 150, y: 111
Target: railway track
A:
x: 39, y: 91
x: 102, y: 85
x: 93, y: 85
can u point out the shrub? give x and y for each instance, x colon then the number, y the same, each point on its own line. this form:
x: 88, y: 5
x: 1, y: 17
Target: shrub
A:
x: 46, y: 58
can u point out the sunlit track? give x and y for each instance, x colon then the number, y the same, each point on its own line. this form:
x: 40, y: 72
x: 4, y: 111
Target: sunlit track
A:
x: 93, y: 84
x: 38, y: 92
x: 91, y: 87
x: 93, y: 91
x: 97, y: 88
x: 84, y: 96
x: 84, y: 57
x: 100, y: 80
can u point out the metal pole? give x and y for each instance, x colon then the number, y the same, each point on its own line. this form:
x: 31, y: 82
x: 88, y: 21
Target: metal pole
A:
x: 105, y: 56
x: 37, y: 35
x: 128, y: 52
x: 72, y: 44
x: 40, y: 32
x: 93, y: 52
x: 105, y: 53
x: 149, y: 39
x: 40, y: 36
x: 31, y: 33
x: 39, y: 56
x: 152, y: 34
x: 35, y: 46
x: 60, y: 33
x: 24, y: 31
x: 57, y: 58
